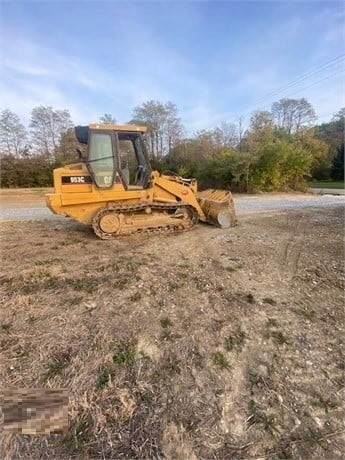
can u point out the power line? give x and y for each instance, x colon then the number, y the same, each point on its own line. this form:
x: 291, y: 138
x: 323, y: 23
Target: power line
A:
x: 303, y: 77
x: 299, y: 79
x: 309, y: 86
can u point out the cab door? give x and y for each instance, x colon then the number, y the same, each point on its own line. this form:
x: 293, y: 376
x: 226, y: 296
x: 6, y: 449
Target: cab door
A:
x: 101, y: 159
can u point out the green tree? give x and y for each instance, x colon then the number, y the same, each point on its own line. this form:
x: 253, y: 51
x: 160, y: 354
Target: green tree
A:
x: 281, y: 165
x: 218, y: 171
x: 9, y: 173
x: 319, y: 151
x: 259, y: 133
x: 337, y: 171
x: 333, y: 132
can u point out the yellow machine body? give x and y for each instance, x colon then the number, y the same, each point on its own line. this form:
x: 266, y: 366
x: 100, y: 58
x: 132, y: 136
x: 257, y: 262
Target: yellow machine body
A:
x: 107, y: 201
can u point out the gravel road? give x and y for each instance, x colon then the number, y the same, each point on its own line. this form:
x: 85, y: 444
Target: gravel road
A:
x: 245, y: 204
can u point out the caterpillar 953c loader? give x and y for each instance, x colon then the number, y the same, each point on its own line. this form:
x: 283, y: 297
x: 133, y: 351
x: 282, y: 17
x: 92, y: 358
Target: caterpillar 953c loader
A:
x: 114, y: 190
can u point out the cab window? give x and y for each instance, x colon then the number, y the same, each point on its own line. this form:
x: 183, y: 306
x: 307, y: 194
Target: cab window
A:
x: 101, y: 159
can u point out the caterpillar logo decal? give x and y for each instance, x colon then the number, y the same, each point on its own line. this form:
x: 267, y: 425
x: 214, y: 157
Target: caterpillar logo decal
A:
x: 76, y: 180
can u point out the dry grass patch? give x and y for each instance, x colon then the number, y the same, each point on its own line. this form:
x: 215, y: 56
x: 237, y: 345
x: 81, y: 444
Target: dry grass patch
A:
x: 168, y: 353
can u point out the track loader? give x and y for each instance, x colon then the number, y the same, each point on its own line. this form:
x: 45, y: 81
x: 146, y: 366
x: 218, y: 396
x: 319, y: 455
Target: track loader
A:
x: 114, y: 190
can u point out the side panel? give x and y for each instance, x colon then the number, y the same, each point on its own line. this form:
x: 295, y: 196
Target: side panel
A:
x: 168, y: 191
x: 75, y: 196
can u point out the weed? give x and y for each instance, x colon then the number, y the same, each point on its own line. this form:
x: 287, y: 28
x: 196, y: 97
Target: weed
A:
x: 277, y: 336
x: 34, y: 282
x: 324, y: 403
x: 167, y: 335
x: 72, y: 301
x: 87, y: 284
x: 166, y: 322
x: 135, y: 297
x: 254, y: 378
x: 183, y: 275
x: 271, y: 322
x: 59, y: 362
x: 230, y: 269
x: 284, y: 454
x: 200, y: 283
x: 125, y: 354
x: 250, y: 298
x: 6, y: 327
x: 5, y: 280
x: 47, y: 262
x: 306, y: 313
x: 269, y: 300
x: 147, y: 398
x: 170, y: 368
x: 220, y: 360
x: 172, y: 287
x: 80, y: 433
x: 184, y: 265
x: 235, y: 341
x: 130, y: 266
x: 121, y: 283
x: 103, y: 377
x: 31, y: 319
x: 259, y: 417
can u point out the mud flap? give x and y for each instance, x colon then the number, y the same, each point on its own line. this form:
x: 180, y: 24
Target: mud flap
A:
x: 218, y: 207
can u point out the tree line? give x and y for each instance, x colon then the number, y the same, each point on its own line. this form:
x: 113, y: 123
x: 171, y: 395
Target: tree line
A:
x: 280, y: 149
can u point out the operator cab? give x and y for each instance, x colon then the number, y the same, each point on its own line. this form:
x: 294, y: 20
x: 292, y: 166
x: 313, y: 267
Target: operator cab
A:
x: 116, y: 153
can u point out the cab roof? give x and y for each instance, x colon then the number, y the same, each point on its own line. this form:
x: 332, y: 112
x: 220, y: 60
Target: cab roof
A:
x: 107, y: 127
x: 82, y: 132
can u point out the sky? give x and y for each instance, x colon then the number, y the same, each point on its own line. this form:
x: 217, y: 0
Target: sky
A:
x: 216, y: 60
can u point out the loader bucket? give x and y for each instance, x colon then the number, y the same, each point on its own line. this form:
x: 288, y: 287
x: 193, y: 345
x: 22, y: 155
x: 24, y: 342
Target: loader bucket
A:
x: 218, y: 207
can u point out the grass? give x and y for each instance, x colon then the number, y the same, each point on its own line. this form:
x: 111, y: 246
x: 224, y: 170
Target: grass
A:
x: 266, y: 422
x: 327, y: 184
x: 103, y: 377
x: 235, y: 341
x: 220, y: 360
x: 277, y: 336
x: 166, y: 322
x: 125, y: 354
x: 307, y: 313
x: 269, y: 300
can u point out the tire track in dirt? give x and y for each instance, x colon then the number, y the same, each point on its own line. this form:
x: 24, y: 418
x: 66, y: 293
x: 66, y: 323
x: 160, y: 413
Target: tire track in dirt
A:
x: 290, y: 250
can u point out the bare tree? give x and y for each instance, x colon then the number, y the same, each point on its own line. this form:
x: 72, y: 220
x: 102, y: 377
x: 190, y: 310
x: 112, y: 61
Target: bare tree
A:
x: 13, y: 135
x: 47, y: 125
x: 164, y: 126
x: 340, y: 115
x: 226, y: 135
x: 291, y: 114
x: 108, y: 119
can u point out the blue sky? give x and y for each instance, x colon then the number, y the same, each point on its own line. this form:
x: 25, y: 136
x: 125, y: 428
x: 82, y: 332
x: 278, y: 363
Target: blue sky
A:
x: 215, y: 60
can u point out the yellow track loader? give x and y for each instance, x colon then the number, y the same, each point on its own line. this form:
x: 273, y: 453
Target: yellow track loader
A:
x: 114, y: 190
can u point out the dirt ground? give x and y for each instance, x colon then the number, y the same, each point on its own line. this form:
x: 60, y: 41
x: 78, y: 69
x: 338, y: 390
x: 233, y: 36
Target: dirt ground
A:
x: 210, y: 344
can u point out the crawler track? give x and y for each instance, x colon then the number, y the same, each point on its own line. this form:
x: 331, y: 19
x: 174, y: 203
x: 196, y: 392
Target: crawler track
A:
x: 114, y: 221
